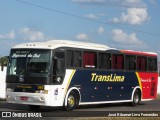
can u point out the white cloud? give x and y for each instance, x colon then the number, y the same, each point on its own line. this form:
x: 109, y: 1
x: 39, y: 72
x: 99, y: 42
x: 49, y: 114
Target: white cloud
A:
x: 153, y: 1
x: 31, y: 34
x: 124, y: 38
x: 10, y: 35
x: 133, y: 16
x: 120, y: 3
x: 91, y: 16
x: 87, y: 1
x: 133, y: 3
x: 94, y: 16
x: 82, y: 36
x: 100, y: 30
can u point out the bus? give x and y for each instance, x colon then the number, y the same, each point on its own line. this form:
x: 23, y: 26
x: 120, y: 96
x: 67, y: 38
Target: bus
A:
x: 62, y: 73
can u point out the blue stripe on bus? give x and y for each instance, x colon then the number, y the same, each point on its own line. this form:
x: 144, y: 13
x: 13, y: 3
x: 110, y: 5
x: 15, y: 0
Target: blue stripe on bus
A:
x: 104, y: 85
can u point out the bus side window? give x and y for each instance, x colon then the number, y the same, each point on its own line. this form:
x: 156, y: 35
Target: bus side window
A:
x: 69, y: 58
x: 77, y: 59
x: 73, y: 58
x: 104, y: 61
x: 130, y: 62
x: 89, y: 60
x: 59, y: 63
x: 152, y: 64
x: 141, y: 63
x: 58, y: 67
x: 118, y: 62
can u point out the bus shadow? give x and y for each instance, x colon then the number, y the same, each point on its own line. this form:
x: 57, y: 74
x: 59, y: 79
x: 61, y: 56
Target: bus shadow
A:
x: 20, y: 107
x: 109, y: 105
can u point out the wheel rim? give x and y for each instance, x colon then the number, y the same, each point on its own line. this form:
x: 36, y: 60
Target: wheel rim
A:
x: 136, y: 98
x: 71, y: 101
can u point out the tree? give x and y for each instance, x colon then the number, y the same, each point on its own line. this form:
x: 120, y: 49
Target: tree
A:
x: 4, y: 61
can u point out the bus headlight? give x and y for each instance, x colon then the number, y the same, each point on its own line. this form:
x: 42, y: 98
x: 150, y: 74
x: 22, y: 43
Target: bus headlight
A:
x: 10, y: 90
x: 42, y: 91
x: 8, y: 97
x: 58, y: 79
x: 42, y: 99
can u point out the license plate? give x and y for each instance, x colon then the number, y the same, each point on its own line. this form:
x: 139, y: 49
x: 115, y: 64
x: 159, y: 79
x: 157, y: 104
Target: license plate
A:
x: 24, y: 98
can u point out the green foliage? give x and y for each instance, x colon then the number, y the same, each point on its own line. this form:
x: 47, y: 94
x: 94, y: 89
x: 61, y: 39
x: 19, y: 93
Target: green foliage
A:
x: 3, y: 61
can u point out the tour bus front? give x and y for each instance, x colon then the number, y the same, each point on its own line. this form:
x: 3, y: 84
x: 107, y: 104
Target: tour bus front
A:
x: 29, y: 77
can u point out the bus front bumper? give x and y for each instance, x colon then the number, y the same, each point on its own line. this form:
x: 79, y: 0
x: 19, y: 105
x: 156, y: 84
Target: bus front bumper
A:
x: 28, y: 98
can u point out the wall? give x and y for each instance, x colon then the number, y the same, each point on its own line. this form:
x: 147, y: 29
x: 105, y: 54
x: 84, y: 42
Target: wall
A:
x: 3, y: 83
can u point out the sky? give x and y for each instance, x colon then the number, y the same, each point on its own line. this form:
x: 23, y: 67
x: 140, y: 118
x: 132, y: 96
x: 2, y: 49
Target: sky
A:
x: 121, y: 24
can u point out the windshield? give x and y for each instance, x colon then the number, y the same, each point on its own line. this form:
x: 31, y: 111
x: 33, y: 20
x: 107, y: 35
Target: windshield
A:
x: 29, y: 62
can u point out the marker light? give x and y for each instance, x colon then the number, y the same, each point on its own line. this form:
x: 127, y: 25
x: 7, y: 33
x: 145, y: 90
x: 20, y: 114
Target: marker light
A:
x: 42, y: 91
x: 10, y: 90
x: 42, y: 99
x: 56, y: 91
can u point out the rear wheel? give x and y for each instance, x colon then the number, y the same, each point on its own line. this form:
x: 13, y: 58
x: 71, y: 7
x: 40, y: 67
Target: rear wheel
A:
x: 72, y: 101
x: 136, y: 98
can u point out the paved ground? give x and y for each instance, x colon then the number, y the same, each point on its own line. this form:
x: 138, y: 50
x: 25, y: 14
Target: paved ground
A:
x: 87, y: 111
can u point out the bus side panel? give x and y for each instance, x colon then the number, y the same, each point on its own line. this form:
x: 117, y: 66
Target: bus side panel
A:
x: 104, y: 85
x: 149, y: 84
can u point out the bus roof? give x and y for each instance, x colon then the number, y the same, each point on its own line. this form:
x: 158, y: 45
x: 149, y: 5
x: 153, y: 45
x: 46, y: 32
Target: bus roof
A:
x: 139, y: 53
x: 53, y: 44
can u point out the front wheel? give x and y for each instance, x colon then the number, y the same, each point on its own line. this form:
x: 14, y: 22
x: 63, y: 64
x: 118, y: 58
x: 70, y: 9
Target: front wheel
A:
x: 72, y: 101
x: 136, y: 98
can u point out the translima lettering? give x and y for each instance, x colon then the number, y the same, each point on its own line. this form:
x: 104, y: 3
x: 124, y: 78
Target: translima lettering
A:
x: 107, y: 78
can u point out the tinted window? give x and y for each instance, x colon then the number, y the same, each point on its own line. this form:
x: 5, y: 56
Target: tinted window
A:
x: 73, y: 58
x: 152, y: 64
x: 130, y: 62
x: 89, y: 60
x: 104, y: 61
x: 30, y: 62
x: 58, y: 64
x: 141, y: 63
x: 117, y: 62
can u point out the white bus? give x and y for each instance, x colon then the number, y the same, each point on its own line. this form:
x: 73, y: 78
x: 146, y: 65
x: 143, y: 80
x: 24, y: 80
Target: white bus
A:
x: 66, y: 74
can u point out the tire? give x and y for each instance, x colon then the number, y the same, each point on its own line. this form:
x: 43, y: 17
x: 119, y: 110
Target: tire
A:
x: 72, y: 101
x: 136, y: 98
x: 34, y: 107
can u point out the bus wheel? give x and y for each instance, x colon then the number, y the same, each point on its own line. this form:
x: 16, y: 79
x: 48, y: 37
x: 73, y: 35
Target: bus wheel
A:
x: 71, y: 101
x: 34, y: 107
x: 136, y: 98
